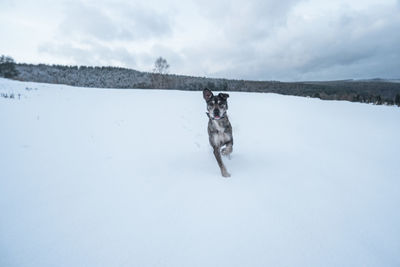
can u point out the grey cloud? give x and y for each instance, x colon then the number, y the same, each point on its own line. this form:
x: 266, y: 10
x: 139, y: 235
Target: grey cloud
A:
x: 69, y: 51
x: 113, y: 22
x: 95, y: 54
x: 238, y: 28
x: 255, y: 39
x: 366, y: 40
x: 353, y: 45
x: 89, y: 21
x: 89, y: 34
x: 218, y: 60
x: 335, y: 57
x: 247, y: 21
x: 259, y: 9
x: 145, y: 22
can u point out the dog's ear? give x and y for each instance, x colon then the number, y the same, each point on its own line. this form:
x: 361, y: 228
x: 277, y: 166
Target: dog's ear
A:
x: 207, y: 94
x: 224, y: 96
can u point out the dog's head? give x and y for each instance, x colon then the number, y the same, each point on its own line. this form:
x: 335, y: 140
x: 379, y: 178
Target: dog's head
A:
x: 217, y: 105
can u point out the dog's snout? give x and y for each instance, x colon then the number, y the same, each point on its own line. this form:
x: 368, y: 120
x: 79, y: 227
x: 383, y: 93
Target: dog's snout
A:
x: 216, y: 111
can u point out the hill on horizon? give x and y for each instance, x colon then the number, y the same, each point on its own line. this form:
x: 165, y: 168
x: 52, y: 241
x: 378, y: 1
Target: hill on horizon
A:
x: 375, y: 90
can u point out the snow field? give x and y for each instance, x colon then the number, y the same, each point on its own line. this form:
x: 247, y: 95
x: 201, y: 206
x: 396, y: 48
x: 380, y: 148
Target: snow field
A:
x: 106, y: 177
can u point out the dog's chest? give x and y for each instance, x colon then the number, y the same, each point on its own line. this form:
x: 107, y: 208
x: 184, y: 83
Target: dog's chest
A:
x: 219, y: 136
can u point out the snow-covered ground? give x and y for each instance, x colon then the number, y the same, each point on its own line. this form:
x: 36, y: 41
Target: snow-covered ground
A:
x: 95, y: 177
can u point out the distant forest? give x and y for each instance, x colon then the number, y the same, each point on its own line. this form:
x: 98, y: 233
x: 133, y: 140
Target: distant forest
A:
x: 375, y: 91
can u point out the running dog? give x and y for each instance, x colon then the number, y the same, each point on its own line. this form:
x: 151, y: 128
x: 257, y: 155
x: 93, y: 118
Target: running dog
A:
x: 219, y: 127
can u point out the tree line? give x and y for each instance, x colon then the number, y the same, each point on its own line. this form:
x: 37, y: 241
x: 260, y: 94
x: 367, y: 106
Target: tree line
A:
x: 374, y: 91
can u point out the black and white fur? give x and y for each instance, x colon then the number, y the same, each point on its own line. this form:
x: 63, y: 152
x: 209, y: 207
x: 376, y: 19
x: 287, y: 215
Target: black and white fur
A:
x: 219, y: 127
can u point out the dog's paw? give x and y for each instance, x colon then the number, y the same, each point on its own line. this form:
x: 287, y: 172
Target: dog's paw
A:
x: 226, y: 151
x: 226, y: 174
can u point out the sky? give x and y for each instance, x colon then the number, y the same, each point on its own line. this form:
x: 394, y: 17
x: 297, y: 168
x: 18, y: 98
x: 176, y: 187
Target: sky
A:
x: 286, y: 40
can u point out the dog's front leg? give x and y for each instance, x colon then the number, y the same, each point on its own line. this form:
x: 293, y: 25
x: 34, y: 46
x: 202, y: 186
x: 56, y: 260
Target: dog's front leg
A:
x: 221, y: 165
x: 227, y: 150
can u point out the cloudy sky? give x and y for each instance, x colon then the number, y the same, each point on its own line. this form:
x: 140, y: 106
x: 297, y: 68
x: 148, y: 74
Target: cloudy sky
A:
x: 284, y: 40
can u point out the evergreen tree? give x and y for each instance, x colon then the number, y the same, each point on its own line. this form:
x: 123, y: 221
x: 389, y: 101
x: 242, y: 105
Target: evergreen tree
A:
x: 7, y: 67
x: 397, y: 100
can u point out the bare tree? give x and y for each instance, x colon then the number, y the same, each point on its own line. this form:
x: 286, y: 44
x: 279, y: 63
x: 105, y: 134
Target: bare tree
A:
x: 160, y: 71
x: 161, y: 66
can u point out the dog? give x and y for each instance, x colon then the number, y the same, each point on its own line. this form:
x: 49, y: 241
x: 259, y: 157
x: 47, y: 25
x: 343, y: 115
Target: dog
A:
x: 219, y: 127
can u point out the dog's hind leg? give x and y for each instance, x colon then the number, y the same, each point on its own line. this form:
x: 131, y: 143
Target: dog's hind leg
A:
x: 221, y: 165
